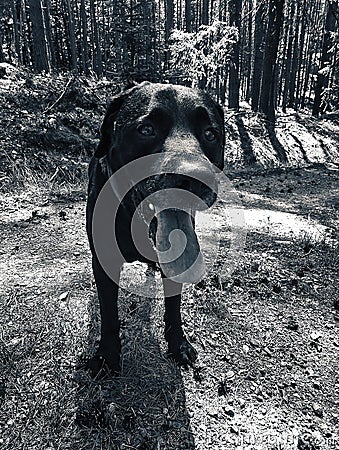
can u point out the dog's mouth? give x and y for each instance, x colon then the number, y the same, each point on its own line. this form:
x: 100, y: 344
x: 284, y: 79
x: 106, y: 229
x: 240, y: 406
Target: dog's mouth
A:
x: 169, y: 212
x: 177, y: 246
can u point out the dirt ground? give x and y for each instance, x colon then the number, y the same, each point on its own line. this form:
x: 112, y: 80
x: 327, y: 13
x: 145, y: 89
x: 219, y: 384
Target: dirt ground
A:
x: 266, y: 336
x: 266, y: 377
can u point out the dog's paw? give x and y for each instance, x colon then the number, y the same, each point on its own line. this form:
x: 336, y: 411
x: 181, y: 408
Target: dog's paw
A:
x: 184, y: 355
x: 101, y: 367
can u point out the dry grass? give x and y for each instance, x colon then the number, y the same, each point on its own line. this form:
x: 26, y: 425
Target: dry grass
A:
x: 49, y: 172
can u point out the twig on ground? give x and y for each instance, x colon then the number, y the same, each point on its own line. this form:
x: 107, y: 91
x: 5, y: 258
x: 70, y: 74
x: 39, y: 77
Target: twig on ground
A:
x: 54, y: 174
x: 60, y: 96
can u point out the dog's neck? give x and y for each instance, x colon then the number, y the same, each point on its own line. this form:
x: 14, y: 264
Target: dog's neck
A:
x: 107, y: 170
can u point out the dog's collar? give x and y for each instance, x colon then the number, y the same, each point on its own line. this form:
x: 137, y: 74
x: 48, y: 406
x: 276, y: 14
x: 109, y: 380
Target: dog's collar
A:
x: 109, y: 172
x: 106, y: 166
x: 104, y: 162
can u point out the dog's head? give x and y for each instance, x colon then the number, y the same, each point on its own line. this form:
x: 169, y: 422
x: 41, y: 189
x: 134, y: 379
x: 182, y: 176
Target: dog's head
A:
x: 148, y: 117
x: 186, y: 127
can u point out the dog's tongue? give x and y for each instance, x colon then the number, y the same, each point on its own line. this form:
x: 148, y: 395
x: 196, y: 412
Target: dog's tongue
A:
x: 177, y: 247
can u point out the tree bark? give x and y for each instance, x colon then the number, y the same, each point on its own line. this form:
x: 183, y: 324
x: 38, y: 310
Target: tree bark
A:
x: 234, y: 84
x: 84, y: 37
x: 205, y: 12
x: 323, y: 78
x: 169, y: 24
x: 71, y: 36
x: 294, y: 65
x: 300, y: 55
x: 40, y: 55
x: 188, y: 16
x: 17, y: 43
x: 267, y: 95
x: 48, y: 33
x: 258, y: 54
x: 97, y: 59
x: 2, y: 56
x: 288, y: 62
x: 249, y: 52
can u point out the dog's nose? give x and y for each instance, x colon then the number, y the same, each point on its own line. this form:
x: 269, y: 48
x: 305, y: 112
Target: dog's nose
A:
x: 200, y: 181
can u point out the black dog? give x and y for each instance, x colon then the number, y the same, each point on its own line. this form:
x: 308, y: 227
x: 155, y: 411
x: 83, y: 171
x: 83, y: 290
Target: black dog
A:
x: 185, y: 127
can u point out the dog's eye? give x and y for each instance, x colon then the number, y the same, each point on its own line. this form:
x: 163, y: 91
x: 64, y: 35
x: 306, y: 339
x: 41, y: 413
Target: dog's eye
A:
x: 146, y: 129
x: 210, y: 134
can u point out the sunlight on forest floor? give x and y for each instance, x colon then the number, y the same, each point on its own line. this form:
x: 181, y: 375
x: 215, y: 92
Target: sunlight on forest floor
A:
x: 278, y: 223
x: 214, y: 229
x: 283, y: 224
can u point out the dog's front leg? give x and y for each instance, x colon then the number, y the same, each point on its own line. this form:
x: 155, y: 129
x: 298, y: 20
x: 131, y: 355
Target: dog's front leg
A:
x: 178, y: 346
x: 106, y: 360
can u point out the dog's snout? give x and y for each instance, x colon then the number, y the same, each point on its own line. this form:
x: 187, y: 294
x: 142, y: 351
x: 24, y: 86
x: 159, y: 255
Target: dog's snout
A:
x: 200, y: 181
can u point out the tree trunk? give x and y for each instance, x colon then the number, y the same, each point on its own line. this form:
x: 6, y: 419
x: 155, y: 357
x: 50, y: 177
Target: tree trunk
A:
x: 267, y: 95
x: 71, y: 36
x: 97, y: 60
x: 40, y: 55
x: 306, y: 70
x: 17, y: 43
x: 258, y: 54
x: 2, y: 56
x: 188, y: 16
x: 26, y: 59
x: 288, y: 63
x: 284, y: 38
x: 205, y: 12
x: 84, y: 37
x: 249, y: 52
x: 179, y: 15
x: 300, y: 55
x: 294, y: 65
x: 323, y: 78
x: 48, y: 32
x: 234, y: 84
x: 169, y: 24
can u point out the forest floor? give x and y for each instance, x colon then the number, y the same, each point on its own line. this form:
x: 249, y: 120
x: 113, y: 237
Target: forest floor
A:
x: 266, y: 336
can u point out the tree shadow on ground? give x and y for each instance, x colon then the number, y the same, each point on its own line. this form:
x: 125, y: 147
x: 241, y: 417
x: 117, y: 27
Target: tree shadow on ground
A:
x: 245, y: 143
x: 314, y: 126
x: 301, y: 148
x: 144, y: 408
x: 276, y: 144
x: 301, y: 191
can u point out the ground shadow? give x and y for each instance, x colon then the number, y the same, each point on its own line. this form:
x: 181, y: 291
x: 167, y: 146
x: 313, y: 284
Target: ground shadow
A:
x: 301, y: 148
x: 145, y: 407
x: 245, y: 143
x: 315, y: 128
x: 276, y: 144
x: 291, y: 190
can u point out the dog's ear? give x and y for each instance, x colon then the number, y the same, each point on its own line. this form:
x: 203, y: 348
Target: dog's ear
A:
x: 107, y: 127
x: 221, y: 162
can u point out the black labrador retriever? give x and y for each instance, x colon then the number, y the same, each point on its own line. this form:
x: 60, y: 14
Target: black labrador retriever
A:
x: 184, y: 127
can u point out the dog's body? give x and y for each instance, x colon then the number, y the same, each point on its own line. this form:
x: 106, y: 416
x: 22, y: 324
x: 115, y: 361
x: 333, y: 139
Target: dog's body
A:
x: 186, y: 127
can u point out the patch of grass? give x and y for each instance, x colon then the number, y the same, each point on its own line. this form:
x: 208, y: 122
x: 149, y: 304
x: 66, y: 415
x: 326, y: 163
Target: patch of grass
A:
x: 44, y: 172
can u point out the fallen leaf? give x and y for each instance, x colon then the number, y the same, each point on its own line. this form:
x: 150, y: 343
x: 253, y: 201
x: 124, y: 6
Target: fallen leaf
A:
x: 64, y: 296
x: 317, y: 410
